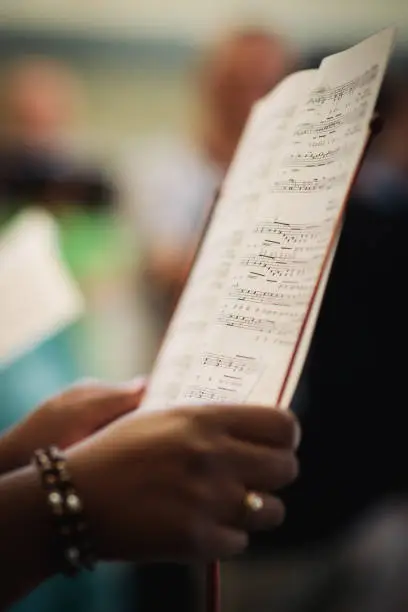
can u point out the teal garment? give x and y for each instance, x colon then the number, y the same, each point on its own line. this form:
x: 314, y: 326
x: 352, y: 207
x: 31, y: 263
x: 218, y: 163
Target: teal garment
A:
x: 39, y: 374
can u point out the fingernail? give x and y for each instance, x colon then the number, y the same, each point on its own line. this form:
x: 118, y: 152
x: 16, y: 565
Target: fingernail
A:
x: 133, y: 385
x: 298, y: 435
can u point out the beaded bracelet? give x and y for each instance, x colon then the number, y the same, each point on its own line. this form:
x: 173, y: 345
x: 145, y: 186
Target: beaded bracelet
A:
x: 74, y: 545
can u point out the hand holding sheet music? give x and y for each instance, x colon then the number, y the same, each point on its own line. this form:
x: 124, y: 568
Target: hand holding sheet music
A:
x: 255, y: 290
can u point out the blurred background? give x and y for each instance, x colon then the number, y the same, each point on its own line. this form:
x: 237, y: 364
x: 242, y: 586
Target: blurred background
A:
x: 125, y: 88
x: 106, y: 107
x: 135, y: 58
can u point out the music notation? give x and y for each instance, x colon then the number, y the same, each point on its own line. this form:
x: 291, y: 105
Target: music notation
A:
x: 332, y: 123
x: 257, y: 324
x: 296, y: 234
x: 239, y: 320
x: 247, y: 172
x: 272, y: 298
x: 237, y: 364
x: 313, y: 159
x: 337, y: 93
x: 307, y: 186
x: 279, y: 270
x: 250, y: 323
x: 287, y: 255
x: 206, y: 394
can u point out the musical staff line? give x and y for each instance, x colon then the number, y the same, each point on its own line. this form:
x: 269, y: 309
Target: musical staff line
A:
x: 307, y: 186
x: 331, y: 124
x: 313, y: 159
x: 236, y: 363
x: 337, y: 93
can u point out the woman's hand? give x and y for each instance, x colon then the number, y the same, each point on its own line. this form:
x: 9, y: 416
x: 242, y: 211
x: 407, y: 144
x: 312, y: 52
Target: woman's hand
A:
x: 67, y: 419
x: 166, y: 485
x: 172, y: 484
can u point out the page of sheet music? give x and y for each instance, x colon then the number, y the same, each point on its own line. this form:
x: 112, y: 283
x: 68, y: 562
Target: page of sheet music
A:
x: 241, y: 343
x: 39, y: 297
x: 299, y: 358
x: 265, y: 134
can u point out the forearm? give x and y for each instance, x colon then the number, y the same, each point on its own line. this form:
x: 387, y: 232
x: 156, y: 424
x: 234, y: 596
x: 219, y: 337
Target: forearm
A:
x: 10, y: 454
x: 18, y: 444
x: 25, y: 535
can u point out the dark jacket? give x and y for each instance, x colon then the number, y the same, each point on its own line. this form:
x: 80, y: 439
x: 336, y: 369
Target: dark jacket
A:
x: 51, y: 178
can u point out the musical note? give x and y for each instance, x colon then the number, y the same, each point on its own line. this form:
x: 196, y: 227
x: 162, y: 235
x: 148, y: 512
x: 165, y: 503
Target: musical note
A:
x: 332, y: 123
x: 298, y: 234
x: 337, y: 93
x: 312, y: 158
x: 307, y: 186
x: 250, y: 323
x: 237, y: 363
x: 205, y: 394
x: 270, y: 298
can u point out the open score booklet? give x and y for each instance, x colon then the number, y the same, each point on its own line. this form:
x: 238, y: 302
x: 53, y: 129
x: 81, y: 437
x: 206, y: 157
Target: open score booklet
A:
x: 244, y: 323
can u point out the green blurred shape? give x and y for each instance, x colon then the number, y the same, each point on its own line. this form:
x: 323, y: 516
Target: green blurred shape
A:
x: 93, y: 245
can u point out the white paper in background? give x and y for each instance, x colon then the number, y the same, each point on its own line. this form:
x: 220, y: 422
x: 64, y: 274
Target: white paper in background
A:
x: 38, y: 297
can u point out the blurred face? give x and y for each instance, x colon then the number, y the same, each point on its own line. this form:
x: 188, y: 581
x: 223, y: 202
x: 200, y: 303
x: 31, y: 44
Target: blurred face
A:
x: 38, y: 100
x: 396, y: 132
x: 401, y: 118
x: 243, y: 72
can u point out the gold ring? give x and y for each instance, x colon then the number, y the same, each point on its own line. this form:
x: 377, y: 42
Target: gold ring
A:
x: 254, y: 502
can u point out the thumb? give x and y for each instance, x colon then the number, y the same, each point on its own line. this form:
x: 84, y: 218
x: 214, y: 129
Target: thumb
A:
x: 110, y: 402
x: 136, y: 386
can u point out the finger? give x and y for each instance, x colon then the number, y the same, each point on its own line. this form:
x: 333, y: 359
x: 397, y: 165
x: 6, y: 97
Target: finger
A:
x: 93, y: 388
x: 268, y: 426
x: 260, y: 467
x: 236, y: 512
x: 219, y: 542
x: 269, y: 516
x: 110, y: 403
x: 136, y: 385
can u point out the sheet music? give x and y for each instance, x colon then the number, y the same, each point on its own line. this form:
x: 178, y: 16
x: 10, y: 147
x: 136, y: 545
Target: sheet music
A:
x: 39, y: 297
x: 241, y: 317
x: 299, y: 358
x: 265, y: 133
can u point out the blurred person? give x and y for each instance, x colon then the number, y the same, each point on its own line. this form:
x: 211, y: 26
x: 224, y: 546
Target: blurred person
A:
x: 41, y: 165
x: 171, y: 185
x: 393, y: 140
x: 177, y: 484
x: 383, y: 180
x: 38, y: 164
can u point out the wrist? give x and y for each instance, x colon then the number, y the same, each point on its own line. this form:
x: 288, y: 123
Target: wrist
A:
x: 19, y: 442
x: 74, y: 547
x: 83, y: 471
x: 27, y: 556
x: 11, y: 455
